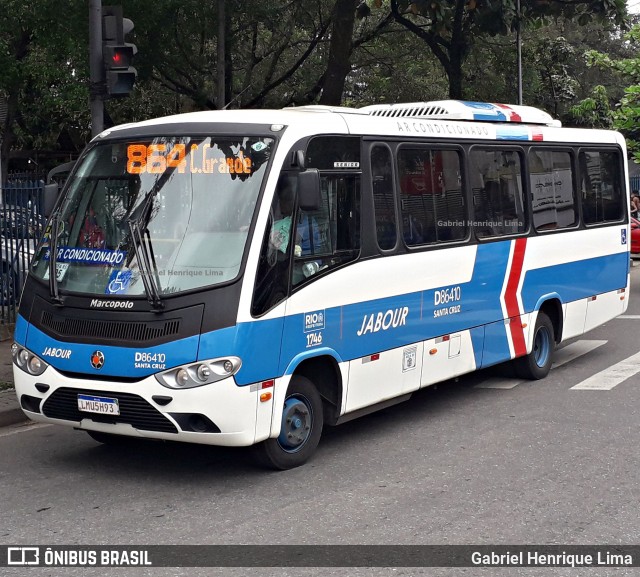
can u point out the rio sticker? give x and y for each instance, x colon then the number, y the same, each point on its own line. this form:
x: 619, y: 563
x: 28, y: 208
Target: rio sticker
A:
x: 313, y: 327
x: 313, y: 321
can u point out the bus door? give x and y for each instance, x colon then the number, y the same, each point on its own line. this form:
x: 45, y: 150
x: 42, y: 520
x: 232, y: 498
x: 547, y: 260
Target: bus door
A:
x: 323, y: 241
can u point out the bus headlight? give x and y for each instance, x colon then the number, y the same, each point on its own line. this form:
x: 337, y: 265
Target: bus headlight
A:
x: 27, y: 361
x: 199, y: 374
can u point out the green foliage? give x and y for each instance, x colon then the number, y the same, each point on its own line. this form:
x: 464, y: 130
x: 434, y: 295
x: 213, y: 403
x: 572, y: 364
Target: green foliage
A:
x: 450, y: 28
x: 42, y: 73
x: 277, y: 53
x: 594, y: 111
x: 626, y: 117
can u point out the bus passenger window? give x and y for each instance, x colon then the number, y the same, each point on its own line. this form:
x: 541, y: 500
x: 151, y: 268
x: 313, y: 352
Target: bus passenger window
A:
x: 496, y: 181
x: 383, y: 197
x: 553, y: 195
x: 431, y: 199
x: 600, y: 186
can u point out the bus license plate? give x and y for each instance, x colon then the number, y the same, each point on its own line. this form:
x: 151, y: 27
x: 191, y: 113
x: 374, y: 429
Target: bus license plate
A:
x: 102, y: 405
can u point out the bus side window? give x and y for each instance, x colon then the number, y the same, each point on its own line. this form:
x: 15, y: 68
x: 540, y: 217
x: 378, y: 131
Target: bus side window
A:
x: 330, y: 236
x: 383, y: 197
x: 498, y: 198
x: 431, y: 196
x: 601, y: 189
x: 272, y: 278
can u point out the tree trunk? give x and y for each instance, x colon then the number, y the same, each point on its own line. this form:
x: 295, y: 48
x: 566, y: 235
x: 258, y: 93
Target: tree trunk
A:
x: 454, y: 73
x: 221, y: 98
x: 457, y: 51
x: 339, y: 63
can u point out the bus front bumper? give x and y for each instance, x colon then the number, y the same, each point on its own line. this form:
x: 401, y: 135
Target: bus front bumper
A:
x: 221, y: 413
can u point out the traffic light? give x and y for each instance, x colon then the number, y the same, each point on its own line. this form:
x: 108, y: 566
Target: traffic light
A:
x: 117, y: 55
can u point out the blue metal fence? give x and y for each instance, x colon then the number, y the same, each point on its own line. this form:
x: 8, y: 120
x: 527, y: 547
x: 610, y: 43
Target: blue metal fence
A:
x: 21, y: 225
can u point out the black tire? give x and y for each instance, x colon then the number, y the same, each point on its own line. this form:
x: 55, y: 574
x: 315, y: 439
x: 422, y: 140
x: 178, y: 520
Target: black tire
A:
x: 537, y: 364
x: 302, y: 421
x: 109, y: 438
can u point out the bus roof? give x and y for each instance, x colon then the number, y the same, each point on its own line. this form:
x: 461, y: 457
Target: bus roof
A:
x: 439, y: 119
x: 464, y: 110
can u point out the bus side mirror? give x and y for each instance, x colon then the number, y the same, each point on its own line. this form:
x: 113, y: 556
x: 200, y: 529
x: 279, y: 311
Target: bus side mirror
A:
x: 50, y: 196
x: 309, y: 197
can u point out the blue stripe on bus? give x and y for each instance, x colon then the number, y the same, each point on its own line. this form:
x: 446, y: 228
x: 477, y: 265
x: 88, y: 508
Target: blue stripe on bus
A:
x: 266, y: 349
x: 477, y: 342
x: 118, y: 361
x: 485, y: 111
x: 20, y: 332
x: 512, y: 132
x: 576, y: 280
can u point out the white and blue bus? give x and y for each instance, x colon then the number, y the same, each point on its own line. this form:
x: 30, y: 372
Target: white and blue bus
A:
x: 247, y: 277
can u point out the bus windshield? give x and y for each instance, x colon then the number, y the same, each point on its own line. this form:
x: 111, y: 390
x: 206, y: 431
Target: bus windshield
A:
x: 161, y: 215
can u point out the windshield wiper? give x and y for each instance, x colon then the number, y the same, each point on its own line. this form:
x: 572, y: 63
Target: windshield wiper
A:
x: 146, y: 263
x: 53, y: 260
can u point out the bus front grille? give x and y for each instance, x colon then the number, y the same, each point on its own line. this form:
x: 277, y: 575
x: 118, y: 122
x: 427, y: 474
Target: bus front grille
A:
x: 131, y: 331
x: 134, y: 410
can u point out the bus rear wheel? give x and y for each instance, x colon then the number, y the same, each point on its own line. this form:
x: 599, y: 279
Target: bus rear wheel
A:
x: 300, y: 430
x: 537, y: 364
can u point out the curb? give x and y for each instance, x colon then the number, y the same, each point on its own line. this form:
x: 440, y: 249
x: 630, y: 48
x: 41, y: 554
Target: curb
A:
x: 6, y: 332
x: 10, y: 411
x: 12, y: 417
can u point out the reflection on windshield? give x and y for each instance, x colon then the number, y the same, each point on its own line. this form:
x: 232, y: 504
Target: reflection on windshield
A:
x: 190, y: 200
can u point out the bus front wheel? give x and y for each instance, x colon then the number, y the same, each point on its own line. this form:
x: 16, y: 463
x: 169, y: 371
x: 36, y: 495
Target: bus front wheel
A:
x: 300, y: 430
x: 537, y: 364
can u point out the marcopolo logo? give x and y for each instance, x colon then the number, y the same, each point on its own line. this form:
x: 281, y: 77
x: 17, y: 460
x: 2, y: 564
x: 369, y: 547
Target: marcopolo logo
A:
x: 110, y: 304
x: 313, y: 321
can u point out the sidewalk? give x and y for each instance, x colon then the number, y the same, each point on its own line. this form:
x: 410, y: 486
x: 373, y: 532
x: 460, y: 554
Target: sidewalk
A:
x: 10, y: 411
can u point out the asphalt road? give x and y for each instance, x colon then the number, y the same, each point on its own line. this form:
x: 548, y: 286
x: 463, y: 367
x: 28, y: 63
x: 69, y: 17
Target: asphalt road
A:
x: 485, y: 460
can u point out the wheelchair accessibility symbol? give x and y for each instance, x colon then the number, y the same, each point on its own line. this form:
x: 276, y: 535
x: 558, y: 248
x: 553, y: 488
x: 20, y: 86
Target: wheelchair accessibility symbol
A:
x: 118, y: 282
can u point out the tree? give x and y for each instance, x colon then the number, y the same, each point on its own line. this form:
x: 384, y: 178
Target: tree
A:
x: 284, y: 52
x: 42, y: 65
x: 626, y: 117
x: 594, y: 111
x: 267, y: 45
x: 451, y: 27
x: 339, y: 62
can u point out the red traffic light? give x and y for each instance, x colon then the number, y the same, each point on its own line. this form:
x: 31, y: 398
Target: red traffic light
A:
x: 118, y: 56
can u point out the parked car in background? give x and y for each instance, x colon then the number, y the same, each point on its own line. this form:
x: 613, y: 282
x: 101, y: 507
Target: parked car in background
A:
x: 18, y: 222
x: 635, y: 236
x: 20, y: 230
x: 15, y: 256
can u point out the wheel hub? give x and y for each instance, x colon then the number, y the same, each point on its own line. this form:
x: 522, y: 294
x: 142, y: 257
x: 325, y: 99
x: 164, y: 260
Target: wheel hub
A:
x: 296, y: 424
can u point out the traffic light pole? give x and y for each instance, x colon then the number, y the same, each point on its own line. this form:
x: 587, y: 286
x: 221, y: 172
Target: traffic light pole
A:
x: 96, y: 67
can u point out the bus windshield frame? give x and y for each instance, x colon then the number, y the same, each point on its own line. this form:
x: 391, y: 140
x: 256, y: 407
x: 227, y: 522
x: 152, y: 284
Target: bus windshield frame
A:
x: 155, y: 216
